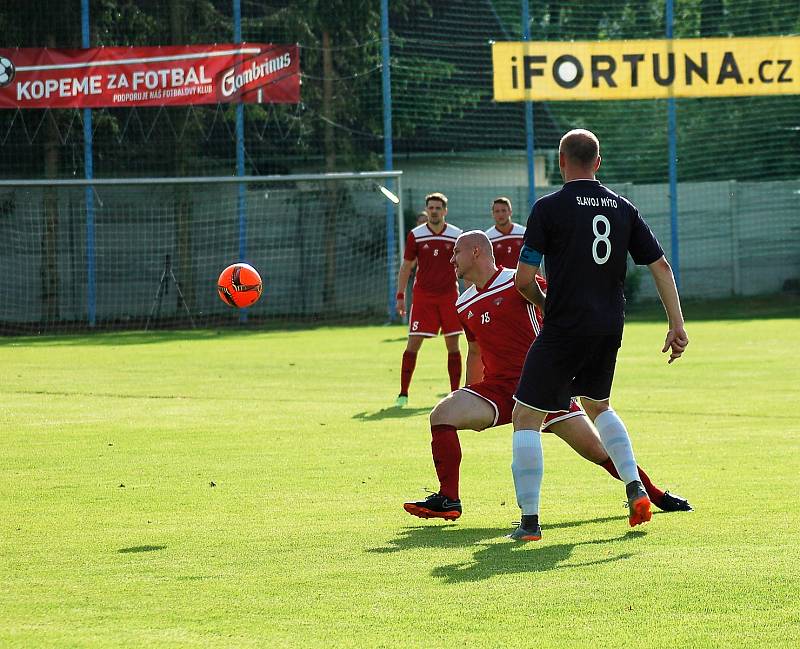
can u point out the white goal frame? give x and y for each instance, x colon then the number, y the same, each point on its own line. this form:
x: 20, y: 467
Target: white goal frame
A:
x: 394, y: 220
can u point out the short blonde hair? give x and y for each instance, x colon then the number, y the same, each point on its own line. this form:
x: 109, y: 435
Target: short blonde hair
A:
x: 580, y: 146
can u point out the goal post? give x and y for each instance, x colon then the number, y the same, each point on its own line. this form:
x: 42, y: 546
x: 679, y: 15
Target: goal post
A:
x: 327, y: 247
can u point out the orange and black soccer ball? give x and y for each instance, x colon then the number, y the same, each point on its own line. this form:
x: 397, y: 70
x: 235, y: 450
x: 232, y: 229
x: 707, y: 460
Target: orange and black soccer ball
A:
x: 239, y: 285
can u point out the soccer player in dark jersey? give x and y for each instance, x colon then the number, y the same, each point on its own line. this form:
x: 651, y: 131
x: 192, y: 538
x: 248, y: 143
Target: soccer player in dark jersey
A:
x: 504, y: 325
x: 505, y: 235
x: 434, y: 293
x: 585, y: 232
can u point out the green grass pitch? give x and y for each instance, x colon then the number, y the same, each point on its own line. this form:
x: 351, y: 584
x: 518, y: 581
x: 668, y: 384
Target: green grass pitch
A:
x: 244, y: 489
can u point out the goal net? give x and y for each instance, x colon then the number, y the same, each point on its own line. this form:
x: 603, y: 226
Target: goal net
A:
x: 147, y: 252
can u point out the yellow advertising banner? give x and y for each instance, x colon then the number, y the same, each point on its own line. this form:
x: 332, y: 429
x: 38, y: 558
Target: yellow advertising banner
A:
x: 646, y: 69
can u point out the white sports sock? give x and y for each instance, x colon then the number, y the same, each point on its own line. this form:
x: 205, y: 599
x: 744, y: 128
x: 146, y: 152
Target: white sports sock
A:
x: 527, y: 467
x: 615, y: 438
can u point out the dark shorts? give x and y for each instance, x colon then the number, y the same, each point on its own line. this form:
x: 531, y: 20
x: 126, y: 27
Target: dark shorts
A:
x: 560, y: 367
x: 500, y: 395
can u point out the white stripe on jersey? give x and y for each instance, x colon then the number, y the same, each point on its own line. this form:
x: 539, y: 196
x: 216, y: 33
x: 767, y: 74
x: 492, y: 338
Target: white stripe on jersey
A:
x: 437, y: 237
x: 423, y: 233
x: 517, y: 232
x: 566, y: 415
x: 469, y: 297
x: 477, y: 297
x: 532, y: 316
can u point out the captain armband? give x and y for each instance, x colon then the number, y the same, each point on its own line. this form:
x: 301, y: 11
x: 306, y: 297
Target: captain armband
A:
x: 530, y: 256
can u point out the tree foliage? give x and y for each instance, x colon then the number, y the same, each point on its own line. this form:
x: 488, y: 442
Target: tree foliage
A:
x: 340, y: 118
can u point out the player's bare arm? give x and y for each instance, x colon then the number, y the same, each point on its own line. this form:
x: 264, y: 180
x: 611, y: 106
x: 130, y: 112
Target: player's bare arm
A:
x: 402, y: 281
x: 474, y: 362
x: 526, y: 284
x: 677, y: 338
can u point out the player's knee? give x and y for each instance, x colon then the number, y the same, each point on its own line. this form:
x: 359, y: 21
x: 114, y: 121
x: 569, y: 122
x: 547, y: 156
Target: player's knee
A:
x: 441, y: 412
x: 524, y: 418
x: 594, y: 408
x: 518, y: 416
x: 451, y: 342
x: 414, y: 343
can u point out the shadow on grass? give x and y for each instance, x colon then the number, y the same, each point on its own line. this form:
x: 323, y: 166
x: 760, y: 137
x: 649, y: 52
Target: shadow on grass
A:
x: 390, y: 413
x: 123, y: 338
x: 445, y: 534
x: 141, y: 548
x: 502, y: 558
x: 495, y: 555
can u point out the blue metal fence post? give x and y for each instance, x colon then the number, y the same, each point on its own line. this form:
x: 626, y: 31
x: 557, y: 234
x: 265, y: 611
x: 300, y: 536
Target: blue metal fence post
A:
x: 88, y: 167
x: 526, y: 36
x: 241, y: 198
x: 672, y: 128
x: 386, y: 81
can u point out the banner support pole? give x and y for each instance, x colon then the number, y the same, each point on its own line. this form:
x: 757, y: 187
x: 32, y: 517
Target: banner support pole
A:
x: 388, y: 165
x: 672, y: 128
x: 241, y: 197
x: 88, y: 167
x: 529, y: 131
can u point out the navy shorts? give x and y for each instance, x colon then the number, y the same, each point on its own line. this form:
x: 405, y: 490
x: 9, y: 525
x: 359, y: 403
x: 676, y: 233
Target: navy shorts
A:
x: 559, y: 367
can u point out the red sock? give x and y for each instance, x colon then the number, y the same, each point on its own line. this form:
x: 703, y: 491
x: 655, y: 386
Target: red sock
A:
x: 654, y: 493
x: 454, y: 369
x: 446, y: 458
x: 406, y: 370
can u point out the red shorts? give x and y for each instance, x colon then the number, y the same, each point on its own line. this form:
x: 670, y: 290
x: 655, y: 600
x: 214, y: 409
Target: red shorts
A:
x: 429, y: 314
x: 500, y: 395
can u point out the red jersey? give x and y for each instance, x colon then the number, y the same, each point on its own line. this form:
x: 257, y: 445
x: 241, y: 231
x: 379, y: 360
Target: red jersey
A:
x: 435, y: 274
x: 502, y: 321
x: 506, y: 247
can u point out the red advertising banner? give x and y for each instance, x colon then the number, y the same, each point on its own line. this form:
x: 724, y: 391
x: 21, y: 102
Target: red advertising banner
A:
x: 114, y: 77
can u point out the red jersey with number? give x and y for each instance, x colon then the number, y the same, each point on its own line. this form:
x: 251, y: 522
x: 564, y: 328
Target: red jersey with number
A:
x: 506, y: 246
x: 435, y: 274
x: 502, y: 321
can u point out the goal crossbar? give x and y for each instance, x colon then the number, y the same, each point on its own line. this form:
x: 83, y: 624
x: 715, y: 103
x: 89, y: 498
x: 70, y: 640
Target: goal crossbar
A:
x: 190, y: 180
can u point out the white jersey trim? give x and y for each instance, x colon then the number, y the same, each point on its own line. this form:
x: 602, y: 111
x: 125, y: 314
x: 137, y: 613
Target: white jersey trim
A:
x: 517, y: 232
x: 566, y: 415
x: 534, y: 320
x: 584, y: 396
x: 469, y: 297
x: 423, y: 233
x: 534, y: 407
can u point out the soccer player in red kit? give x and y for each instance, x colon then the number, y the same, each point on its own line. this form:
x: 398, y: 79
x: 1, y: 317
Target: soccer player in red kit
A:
x: 434, y: 293
x: 504, y: 325
x: 505, y: 235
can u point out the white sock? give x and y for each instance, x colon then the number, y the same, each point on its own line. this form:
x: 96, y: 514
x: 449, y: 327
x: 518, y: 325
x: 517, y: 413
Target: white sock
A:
x: 527, y: 467
x: 615, y: 438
